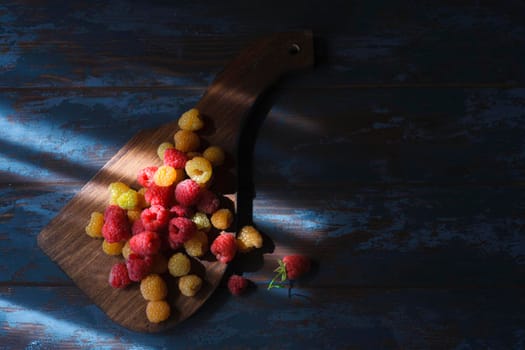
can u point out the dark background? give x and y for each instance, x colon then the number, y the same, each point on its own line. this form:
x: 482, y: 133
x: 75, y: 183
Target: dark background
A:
x: 397, y: 164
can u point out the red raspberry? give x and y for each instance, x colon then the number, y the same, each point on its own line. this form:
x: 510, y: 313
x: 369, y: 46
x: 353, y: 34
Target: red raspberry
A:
x: 237, y: 284
x: 138, y: 266
x: 180, y: 231
x: 208, y: 202
x: 187, y: 192
x: 145, y: 243
x: 296, y: 266
x: 145, y: 176
x: 116, y: 226
x: 154, y: 218
x: 159, y: 195
x: 118, y: 276
x: 224, y: 247
x: 180, y: 210
x: 175, y: 158
x: 137, y: 227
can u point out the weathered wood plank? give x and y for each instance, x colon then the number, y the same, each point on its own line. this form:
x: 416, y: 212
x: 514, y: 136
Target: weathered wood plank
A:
x: 404, y: 135
x: 163, y: 43
x: 61, y: 317
x: 409, y: 236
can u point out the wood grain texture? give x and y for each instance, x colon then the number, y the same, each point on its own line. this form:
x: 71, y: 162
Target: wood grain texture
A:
x: 225, y: 105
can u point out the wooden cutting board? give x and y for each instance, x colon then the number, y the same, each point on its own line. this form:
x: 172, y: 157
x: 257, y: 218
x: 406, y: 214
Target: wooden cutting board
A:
x: 224, y: 105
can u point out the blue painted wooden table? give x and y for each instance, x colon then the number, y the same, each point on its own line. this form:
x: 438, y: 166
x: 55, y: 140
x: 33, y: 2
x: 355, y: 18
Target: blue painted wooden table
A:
x: 401, y: 174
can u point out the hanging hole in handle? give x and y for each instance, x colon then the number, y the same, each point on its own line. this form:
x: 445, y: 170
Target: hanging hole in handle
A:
x: 294, y: 49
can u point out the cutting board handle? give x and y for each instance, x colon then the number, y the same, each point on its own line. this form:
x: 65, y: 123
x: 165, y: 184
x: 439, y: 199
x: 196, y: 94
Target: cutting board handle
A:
x: 233, y: 93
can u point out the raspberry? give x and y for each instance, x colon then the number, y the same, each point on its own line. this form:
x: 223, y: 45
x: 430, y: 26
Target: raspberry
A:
x: 128, y: 200
x: 94, y: 227
x: 181, y: 210
x: 296, y: 266
x: 179, y: 265
x: 175, y: 158
x: 154, y: 218
x: 161, y: 150
x: 116, y: 226
x: 153, y: 288
x: 137, y: 227
x: 208, y: 202
x: 215, y: 155
x: 160, y: 264
x: 199, y: 169
x: 115, y: 190
x: 157, y: 311
x: 224, y: 247
x: 237, y: 284
x: 187, y: 192
x: 159, y: 195
x: 197, y: 246
x: 186, y: 141
x: 167, y: 175
x: 138, y: 266
x: 189, y: 285
x: 112, y: 248
x: 134, y: 215
x: 145, y: 243
x: 118, y: 276
x: 180, y: 230
x: 145, y: 176
x: 222, y: 219
x: 201, y: 221
x: 248, y: 239
x: 126, y: 250
x: 191, y: 120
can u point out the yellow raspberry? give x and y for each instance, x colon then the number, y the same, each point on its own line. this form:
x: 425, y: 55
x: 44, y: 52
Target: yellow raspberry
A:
x: 222, y: 219
x: 191, y: 120
x: 197, y: 246
x: 157, y: 311
x: 128, y: 200
x: 248, y: 239
x: 112, y: 248
x: 189, y: 285
x: 199, y: 169
x: 160, y: 264
x: 165, y: 176
x: 126, y: 250
x: 186, y: 141
x: 134, y: 214
x: 215, y: 155
x: 142, y: 200
x: 162, y: 148
x: 201, y: 221
x: 94, y: 227
x: 179, y: 265
x: 153, y: 288
x: 115, y: 190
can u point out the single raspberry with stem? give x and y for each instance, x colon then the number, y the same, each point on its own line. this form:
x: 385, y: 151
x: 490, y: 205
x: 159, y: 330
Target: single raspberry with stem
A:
x: 291, y: 267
